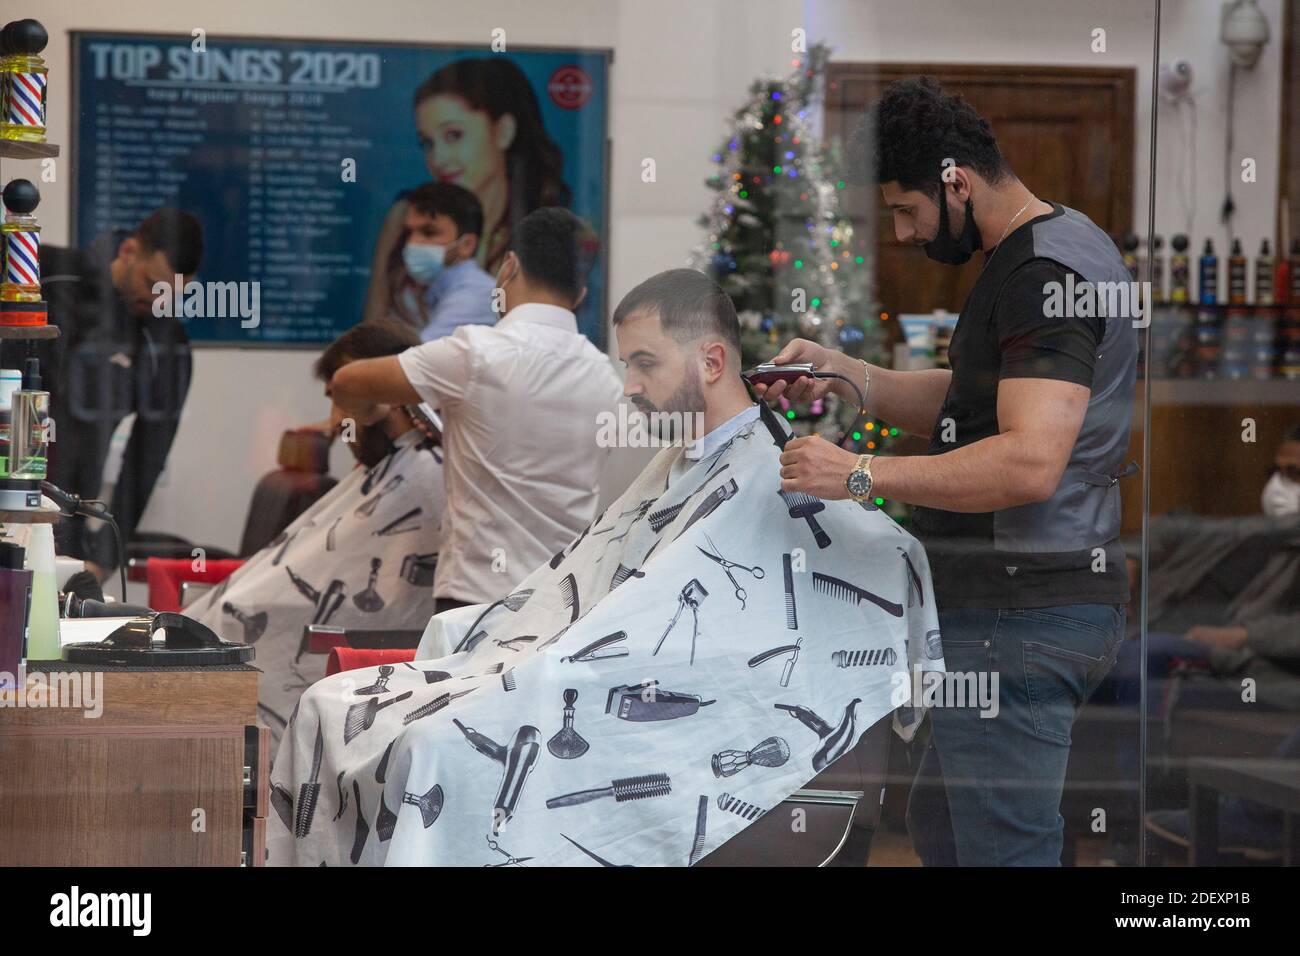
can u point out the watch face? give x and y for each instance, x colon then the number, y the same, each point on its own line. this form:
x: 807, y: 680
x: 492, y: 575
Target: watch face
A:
x: 859, y: 483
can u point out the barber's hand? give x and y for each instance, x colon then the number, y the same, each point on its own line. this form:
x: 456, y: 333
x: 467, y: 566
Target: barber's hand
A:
x: 798, y: 352
x: 816, y: 467
x: 1228, y: 638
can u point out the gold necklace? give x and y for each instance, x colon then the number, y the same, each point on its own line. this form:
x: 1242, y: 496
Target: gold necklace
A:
x: 998, y: 245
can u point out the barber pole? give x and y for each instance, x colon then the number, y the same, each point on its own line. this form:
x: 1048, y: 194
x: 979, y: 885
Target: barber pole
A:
x: 25, y: 104
x: 21, y: 279
x: 22, y: 259
x: 22, y: 81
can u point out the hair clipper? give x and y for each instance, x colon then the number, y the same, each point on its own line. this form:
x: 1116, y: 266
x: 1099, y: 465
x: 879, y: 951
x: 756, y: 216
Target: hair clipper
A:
x: 645, y: 702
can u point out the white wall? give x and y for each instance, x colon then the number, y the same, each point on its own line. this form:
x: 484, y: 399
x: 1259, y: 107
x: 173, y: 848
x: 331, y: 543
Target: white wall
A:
x: 680, y: 68
x: 1034, y: 32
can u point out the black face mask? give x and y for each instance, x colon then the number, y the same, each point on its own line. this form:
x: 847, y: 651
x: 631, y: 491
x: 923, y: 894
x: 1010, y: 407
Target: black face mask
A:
x: 943, y: 247
x: 372, y: 445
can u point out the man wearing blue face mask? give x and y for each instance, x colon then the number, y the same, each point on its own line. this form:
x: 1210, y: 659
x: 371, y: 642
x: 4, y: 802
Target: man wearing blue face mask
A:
x: 437, y: 283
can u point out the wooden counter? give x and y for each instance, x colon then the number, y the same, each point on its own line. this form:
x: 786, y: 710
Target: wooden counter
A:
x: 171, y: 773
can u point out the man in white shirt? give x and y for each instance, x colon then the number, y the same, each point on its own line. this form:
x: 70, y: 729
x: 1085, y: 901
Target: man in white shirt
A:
x: 520, y: 403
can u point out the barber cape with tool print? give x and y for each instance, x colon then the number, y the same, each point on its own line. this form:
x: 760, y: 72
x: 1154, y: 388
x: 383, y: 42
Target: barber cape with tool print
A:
x: 363, y: 556
x: 713, y: 645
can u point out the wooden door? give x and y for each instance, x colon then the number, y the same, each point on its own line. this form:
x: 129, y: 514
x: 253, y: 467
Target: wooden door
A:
x: 1066, y: 131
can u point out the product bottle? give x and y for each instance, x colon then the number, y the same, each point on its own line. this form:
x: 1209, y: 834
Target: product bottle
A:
x: 1282, y: 280
x: 15, y: 602
x: 1209, y: 275
x: 10, y: 381
x: 1157, y: 269
x: 43, y: 623
x: 1264, y: 275
x: 29, y: 431
x: 1236, y: 275
x: 1179, y: 270
x: 1130, y: 247
x: 1293, y: 266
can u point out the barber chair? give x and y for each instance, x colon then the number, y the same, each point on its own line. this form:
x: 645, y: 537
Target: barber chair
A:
x: 829, y: 822
x: 281, y: 496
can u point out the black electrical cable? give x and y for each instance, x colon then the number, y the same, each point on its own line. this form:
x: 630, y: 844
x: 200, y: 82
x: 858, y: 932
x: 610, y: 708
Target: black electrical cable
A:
x: 71, y: 504
x: 862, y: 401
x: 100, y: 511
x: 121, y: 550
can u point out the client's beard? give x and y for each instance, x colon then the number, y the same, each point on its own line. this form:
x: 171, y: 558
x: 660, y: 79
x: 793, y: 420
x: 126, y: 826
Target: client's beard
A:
x: 687, y: 401
x: 372, y: 445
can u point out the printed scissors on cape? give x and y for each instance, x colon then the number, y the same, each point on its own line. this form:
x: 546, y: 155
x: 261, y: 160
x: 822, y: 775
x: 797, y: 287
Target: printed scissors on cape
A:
x: 510, y: 860
x: 716, y: 555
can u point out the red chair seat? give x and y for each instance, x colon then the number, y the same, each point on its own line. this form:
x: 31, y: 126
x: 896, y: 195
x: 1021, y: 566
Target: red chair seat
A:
x: 166, y: 574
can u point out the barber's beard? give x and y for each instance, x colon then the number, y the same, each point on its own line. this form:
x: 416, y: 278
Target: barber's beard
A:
x: 687, y: 401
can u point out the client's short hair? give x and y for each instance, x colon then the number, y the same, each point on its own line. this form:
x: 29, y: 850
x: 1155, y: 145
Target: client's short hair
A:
x: 373, y: 339
x: 556, y: 250
x: 176, y: 234
x: 447, y: 199
x: 690, y: 306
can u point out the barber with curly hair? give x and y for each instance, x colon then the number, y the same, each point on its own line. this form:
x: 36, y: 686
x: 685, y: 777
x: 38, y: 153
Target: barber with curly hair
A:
x: 1017, y: 497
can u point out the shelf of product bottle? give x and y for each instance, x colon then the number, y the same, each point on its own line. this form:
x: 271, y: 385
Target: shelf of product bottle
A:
x: 17, y: 149
x: 1221, y: 392
x: 28, y: 331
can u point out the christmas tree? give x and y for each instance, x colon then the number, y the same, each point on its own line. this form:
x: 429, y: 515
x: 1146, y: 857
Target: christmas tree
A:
x: 780, y: 244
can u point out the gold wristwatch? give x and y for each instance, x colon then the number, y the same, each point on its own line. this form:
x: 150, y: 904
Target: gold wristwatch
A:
x: 858, y: 482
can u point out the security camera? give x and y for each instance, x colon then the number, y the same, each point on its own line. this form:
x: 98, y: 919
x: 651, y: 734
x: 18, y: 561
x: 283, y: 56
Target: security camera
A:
x: 1175, y: 79
x: 1245, y: 32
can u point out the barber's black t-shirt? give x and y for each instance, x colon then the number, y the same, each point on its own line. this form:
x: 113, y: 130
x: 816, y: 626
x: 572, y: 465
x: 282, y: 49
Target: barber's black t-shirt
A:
x: 1009, y: 558
x: 1023, y: 343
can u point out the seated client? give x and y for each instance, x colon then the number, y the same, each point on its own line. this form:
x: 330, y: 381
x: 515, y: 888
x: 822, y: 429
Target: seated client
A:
x: 362, y: 556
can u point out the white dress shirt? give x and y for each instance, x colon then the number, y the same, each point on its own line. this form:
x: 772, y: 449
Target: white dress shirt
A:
x: 519, y: 402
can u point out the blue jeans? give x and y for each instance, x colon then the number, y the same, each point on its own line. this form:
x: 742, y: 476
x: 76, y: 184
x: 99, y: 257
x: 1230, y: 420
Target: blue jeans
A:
x: 988, y: 790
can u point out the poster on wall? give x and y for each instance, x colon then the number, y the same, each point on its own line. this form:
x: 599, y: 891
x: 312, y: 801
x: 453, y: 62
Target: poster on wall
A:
x: 295, y: 155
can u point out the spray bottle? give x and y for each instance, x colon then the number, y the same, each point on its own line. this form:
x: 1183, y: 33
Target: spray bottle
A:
x: 1209, y: 275
x: 1264, y: 275
x: 1179, y: 270
x: 1158, y: 269
x: 1293, y: 266
x: 29, y: 431
x: 43, y: 623
x: 1236, y: 275
x: 1130, y: 245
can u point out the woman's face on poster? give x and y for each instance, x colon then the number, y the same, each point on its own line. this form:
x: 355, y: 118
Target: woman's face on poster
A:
x: 463, y: 145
